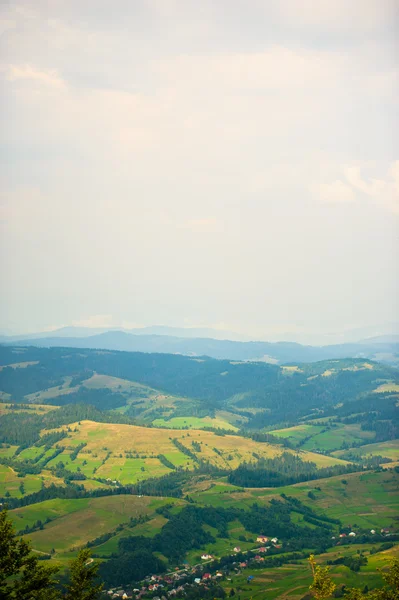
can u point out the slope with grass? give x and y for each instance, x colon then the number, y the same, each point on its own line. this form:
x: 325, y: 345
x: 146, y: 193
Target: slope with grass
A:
x: 75, y: 522
x: 389, y: 449
x: 368, y: 500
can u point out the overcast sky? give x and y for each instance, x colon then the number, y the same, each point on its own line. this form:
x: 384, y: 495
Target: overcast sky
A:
x: 227, y: 163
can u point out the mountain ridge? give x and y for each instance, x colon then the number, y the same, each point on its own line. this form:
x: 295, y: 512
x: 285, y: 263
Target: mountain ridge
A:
x: 273, y: 352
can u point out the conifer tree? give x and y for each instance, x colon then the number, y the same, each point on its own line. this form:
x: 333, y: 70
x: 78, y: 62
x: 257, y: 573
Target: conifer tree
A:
x: 21, y: 573
x: 83, y: 575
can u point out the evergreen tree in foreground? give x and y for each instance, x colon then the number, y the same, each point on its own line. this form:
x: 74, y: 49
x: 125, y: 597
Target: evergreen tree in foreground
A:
x: 23, y: 576
x: 83, y: 573
x: 323, y: 586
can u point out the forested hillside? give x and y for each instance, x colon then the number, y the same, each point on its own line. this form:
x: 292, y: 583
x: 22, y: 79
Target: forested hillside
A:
x: 262, y: 394
x: 123, y: 453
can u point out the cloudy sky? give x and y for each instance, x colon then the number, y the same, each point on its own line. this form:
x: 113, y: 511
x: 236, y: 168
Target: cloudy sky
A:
x: 227, y: 163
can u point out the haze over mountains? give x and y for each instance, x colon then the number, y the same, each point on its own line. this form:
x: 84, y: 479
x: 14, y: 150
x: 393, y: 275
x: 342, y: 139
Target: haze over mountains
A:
x: 197, y: 342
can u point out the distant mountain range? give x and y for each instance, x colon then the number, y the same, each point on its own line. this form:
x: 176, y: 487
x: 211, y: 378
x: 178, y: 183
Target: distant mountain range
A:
x: 384, y: 333
x: 380, y: 348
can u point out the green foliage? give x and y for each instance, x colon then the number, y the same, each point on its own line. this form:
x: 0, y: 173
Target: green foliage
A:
x: 21, y: 574
x: 83, y: 576
x: 248, y: 385
x: 285, y: 469
x: 166, y: 462
x: 322, y: 586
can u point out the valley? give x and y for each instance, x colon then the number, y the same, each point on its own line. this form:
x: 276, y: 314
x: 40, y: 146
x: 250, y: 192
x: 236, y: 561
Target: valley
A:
x: 122, y: 452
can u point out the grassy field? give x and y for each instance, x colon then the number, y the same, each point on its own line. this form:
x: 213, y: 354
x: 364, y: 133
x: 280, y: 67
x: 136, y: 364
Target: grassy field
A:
x: 387, y: 449
x: 11, y: 483
x: 147, y: 443
x: 292, y: 581
x: 194, y: 422
x: 368, y: 500
x: 322, y: 436
x: 75, y: 522
x: 387, y: 387
x: 148, y: 529
x: 6, y: 408
x: 20, y: 365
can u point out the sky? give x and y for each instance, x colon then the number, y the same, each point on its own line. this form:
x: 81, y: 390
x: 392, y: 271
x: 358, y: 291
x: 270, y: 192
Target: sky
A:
x: 229, y: 164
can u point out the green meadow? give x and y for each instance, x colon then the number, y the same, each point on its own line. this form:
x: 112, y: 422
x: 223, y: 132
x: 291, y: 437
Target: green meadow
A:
x: 194, y: 422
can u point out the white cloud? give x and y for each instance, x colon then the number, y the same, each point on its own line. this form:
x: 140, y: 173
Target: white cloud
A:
x: 43, y: 77
x: 337, y: 191
x: 354, y: 186
x: 159, y: 157
x: 384, y: 192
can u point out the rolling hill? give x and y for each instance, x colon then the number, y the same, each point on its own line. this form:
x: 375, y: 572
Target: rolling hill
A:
x: 126, y: 451
x: 386, y: 349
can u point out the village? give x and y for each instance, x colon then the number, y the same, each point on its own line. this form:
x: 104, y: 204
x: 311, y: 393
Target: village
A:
x: 209, y: 572
x: 175, y: 583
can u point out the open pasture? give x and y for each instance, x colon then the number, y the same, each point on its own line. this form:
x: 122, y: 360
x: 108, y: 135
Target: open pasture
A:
x: 21, y: 486
x: 39, y: 409
x: 324, y: 436
x: 292, y: 581
x: 194, y: 422
x: 388, y: 449
x: 102, y: 438
x: 74, y: 522
x: 369, y: 500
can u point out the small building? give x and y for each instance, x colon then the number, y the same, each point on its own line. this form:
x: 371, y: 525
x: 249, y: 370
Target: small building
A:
x: 237, y: 549
x: 274, y: 540
x: 197, y: 580
x: 372, y: 531
x: 262, y: 539
x: 352, y: 534
x: 206, y: 576
x: 206, y: 556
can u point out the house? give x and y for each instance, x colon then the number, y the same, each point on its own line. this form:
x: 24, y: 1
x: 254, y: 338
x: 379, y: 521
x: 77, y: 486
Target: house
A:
x: 262, y: 539
x: 206, y: 556
x: 263, y: 549
x: 218, y: 574
x: 257, y: 557
x: 352, y: 534
x: 342, y: 535
x: 237, y: 549
x: 384, y: 530
x: 243, y: 565
x: 274, y: 540
x: 206, y: 576
x: 372, y: 531
x: 197, y: 580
